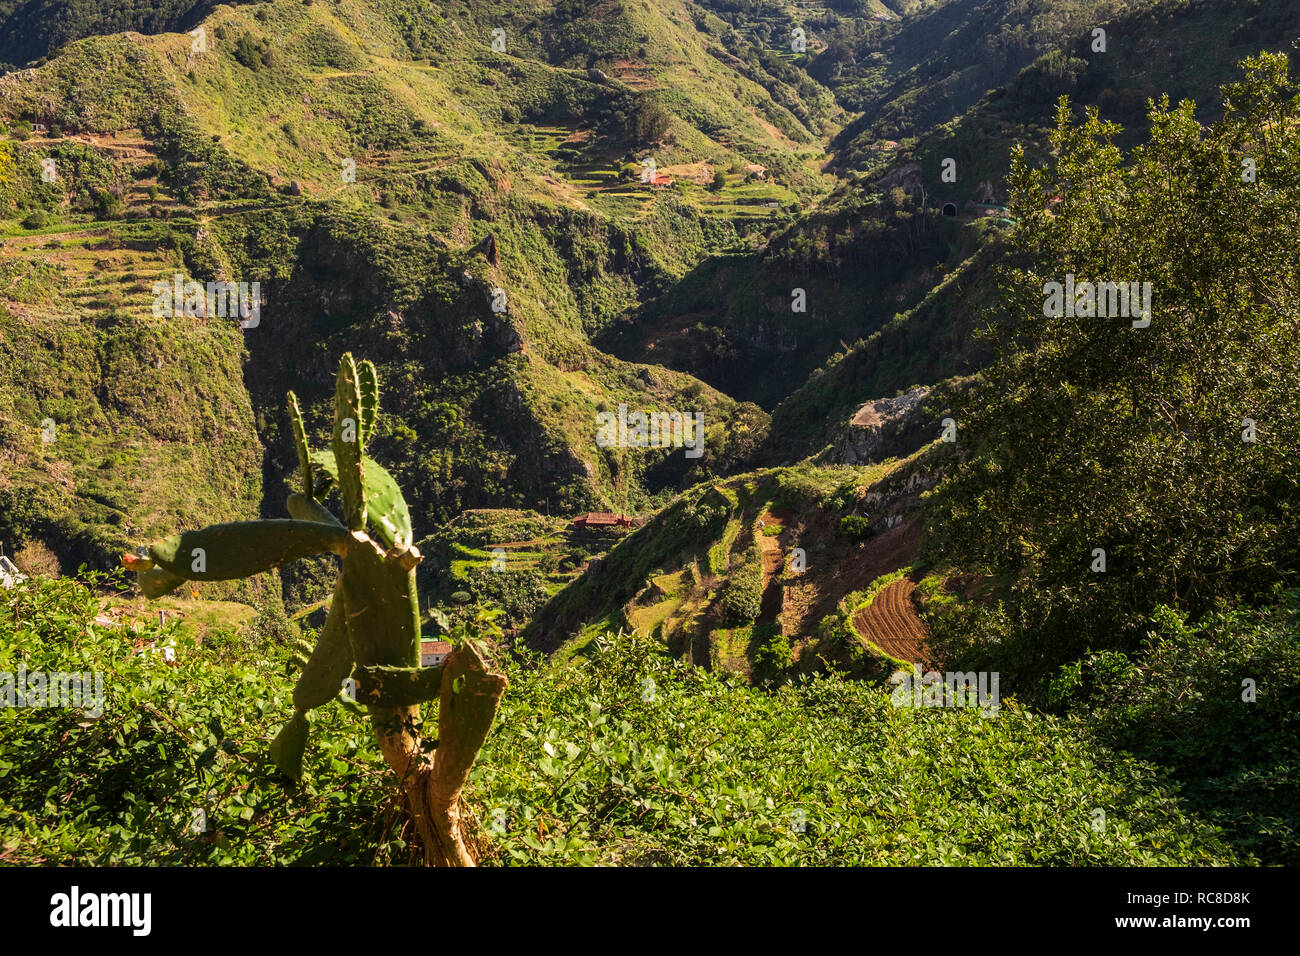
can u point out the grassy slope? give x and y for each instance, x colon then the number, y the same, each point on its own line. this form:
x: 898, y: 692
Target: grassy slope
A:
x: 440, y: 172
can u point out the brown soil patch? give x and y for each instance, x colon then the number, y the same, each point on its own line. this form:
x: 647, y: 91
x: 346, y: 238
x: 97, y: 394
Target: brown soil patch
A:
x: 866, y: 415
x: 834, y: 573
x: 890, y: 622
x: 769, y: 548
x: 699, y: 173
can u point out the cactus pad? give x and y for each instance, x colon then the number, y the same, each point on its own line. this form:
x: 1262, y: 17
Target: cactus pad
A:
x: 379, y: 686
x: 289, y: 743
x: 300, y: 441
x: 304, y: 508
x: 368, y: 386
x: 383, y: 615
x: 244, y: 548
x: 330, y: 661
x: 386, y: 508
x: 155, y: 582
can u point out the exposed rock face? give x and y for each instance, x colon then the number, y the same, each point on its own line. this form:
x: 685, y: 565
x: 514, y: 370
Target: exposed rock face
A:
x: 908, y: 176
x: 884, y: 428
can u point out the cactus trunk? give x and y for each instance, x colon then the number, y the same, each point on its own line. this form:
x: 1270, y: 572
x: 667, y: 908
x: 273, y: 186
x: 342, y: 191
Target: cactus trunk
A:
x: 470, y: 696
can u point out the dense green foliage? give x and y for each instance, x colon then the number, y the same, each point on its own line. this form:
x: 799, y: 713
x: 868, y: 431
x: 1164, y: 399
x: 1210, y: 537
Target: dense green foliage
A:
x: 172, y: 740
x: 1217, y: 704
x: 625, y: 758
x: 1170, y: 447
x: 742, y: 595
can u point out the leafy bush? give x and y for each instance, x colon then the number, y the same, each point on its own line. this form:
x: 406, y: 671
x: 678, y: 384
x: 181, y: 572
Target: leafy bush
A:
x: 125, y: 787
x: 742, y: 595
x: 1217, y: 704
x: 773, y: 656
x: 627, y: 757
x: 623, y: 757
x: 854, y: 526
x: 519, y: 593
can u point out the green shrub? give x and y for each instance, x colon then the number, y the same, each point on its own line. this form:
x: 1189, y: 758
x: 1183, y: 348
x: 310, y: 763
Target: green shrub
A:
x: 742, y: 594
x: 1217, y: 703
x: 854, y: 526
x: 773, y: 656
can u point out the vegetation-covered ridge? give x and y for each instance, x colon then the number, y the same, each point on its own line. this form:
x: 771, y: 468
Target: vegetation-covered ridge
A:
x: 474, y: 214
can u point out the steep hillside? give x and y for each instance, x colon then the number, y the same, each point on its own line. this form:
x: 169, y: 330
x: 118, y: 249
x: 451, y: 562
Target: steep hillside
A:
x: 760, y: 575
x: 875, y: 261
x: 465, y: 216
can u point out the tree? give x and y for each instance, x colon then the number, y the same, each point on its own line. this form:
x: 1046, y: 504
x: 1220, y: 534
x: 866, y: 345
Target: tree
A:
x: 1166, y: 450
x: 649, y: 120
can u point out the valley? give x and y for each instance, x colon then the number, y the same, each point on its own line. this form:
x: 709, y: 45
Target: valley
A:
x: 822, y: 234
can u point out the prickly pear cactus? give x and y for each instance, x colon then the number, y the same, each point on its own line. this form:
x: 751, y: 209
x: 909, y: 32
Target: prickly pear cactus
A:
x: 372, y: 631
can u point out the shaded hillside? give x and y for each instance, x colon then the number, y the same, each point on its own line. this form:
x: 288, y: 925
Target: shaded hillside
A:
x: 905, y: 67
x: 756, y: 324
x: 929, y: 344
x: 31, y: 29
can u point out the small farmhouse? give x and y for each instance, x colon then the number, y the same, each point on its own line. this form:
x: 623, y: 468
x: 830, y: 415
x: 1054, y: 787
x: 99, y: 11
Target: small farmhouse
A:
x: 602, y: 519
x: 433, y: 653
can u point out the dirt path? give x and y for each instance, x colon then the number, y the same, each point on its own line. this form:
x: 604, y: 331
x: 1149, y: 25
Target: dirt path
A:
x: 769, y: 549
x: 891, y: 623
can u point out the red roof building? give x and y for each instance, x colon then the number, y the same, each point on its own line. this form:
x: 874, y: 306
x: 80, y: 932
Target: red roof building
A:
x: 432, y: 653
x: 602, y: 519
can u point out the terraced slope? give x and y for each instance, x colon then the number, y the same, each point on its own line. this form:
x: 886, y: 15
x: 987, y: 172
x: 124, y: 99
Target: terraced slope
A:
x: 709, y: 579
x: 891, y: 624
x: 381, y: 178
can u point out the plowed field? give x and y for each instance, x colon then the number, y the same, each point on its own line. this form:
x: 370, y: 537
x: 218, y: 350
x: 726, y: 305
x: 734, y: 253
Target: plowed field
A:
x: 891, y: 623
